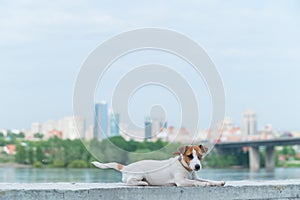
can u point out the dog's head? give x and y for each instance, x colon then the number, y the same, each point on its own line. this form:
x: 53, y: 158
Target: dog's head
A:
x: 193, y: 155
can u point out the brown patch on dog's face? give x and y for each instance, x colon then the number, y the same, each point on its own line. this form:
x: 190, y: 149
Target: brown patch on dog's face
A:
x: 188, y: 153
x: 187, y: 156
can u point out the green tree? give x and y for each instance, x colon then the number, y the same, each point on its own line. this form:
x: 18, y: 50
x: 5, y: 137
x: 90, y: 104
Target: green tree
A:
x: 144, y: 154
x: 58, y: 163
x: 30, y: 156
x: 235, y: 157
x: 20, y: 135
x: 38, y: 135
x: 78, y: 164
x: 291, y: 151
x: 39, y: 154
x: 285, y: 150
x: 3, y: 142
x: 20, y: 156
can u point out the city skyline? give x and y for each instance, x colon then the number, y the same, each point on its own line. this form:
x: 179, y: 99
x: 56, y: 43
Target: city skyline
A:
x: 155, y: 129
x: 151, y: 129
x: 254, y: 45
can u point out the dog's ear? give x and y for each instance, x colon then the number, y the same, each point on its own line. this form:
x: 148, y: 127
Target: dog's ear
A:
x: 183, y: 149
x: 203, y: 148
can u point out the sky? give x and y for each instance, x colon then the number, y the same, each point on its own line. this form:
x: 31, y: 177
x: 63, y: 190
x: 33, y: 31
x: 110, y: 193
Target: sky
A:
x: 254, y: 45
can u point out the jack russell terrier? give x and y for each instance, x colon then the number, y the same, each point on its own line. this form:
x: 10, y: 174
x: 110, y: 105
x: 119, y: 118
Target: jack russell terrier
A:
x: 179, y: 170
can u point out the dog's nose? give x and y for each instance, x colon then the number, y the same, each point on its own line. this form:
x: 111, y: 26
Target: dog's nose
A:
x: 197, y: 167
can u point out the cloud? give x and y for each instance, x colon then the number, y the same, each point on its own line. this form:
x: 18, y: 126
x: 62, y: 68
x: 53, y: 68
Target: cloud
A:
x: 26, y: 23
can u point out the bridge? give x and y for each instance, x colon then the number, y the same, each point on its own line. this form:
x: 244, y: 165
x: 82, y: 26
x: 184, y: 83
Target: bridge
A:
x: 254, y: 156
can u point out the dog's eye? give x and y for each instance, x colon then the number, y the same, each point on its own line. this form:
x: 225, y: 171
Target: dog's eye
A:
x: 190, y: 156
x: 199, y: 157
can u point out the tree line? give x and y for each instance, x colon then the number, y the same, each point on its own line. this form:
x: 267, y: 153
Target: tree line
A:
x: 56, y: 152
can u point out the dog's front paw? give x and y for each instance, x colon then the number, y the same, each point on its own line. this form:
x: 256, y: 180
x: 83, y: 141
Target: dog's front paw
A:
x: 222, y: 183
x: 212, y: 184
x: 142, y: 183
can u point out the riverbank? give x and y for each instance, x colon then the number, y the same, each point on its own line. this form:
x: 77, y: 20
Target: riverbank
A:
x: 291, y: 164
x: 95, y: 175
x: 14, y: 165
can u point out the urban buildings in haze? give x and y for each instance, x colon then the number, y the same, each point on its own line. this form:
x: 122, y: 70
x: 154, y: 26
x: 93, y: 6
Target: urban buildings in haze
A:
x: 114, y: 124
x: 148, y: 128
x: 72, y: 127
x: 249, y: 123
x: 101, y: 121
x: 107, y: 124
x: 155, y: 129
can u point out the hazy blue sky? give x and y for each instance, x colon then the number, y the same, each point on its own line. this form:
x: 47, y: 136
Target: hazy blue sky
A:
x: 255, y: 46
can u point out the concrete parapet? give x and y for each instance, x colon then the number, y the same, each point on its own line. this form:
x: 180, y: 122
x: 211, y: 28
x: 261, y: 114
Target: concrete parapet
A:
x: 288, y: 189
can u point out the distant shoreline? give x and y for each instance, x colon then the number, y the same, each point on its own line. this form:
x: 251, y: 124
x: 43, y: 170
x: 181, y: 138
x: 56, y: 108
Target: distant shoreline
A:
x: 15, y: 165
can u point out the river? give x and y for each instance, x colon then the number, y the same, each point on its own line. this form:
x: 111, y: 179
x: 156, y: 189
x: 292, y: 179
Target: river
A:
x: 37, y: 175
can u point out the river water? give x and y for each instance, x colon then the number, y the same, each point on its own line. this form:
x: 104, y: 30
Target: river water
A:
x: 37, y: 175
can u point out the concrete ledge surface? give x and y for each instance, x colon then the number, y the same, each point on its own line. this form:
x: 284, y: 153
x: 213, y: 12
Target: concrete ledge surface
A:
x: 287, y: 189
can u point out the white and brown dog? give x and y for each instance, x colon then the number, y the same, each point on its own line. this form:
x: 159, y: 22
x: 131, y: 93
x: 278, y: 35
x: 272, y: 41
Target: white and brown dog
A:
x: 179, y: 170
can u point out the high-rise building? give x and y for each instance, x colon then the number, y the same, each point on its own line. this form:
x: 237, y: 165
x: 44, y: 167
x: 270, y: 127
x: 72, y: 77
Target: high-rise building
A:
x: 101, y: 121
x: 72, y: 127
x: 148, y: 128
x: 226, y: 125
x: 47, y: 127
x: 250, y: 123
x: 89, y: 133
x: 165, y: 124
x: 114, y: 124
x: 156, y: 127
x: 35, y: 127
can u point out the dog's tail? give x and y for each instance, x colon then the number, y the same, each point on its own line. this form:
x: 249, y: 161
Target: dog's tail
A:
x: 112, y: 165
